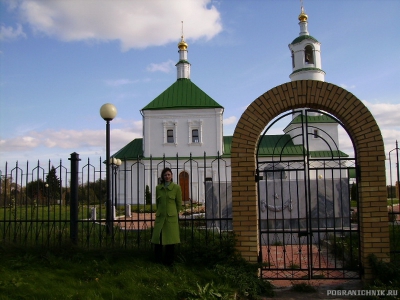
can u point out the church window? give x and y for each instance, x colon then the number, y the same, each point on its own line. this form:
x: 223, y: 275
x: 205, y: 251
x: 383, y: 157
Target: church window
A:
x: 170, y: 136
x: 293, y: 60
x: 309, y: 55
x: 170, y: 130
x: 195, y: 132
x: 315, y: 133
x: 195, y: 136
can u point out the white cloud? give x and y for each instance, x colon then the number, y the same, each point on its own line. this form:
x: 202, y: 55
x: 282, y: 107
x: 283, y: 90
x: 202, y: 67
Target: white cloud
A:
x: 386, y: 114
x: 347, y: 87
x: 9, y: 33
x: 230, y: 120
x: 135, y: 24
x: 73, y: 140
x: 165, y: 67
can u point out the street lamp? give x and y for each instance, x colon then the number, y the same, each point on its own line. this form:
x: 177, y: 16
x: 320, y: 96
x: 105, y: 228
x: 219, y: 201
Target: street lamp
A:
x: 115, y: 163
x: 108, y: 112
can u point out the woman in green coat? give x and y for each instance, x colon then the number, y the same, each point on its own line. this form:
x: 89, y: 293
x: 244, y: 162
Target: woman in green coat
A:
x: 166, y: 226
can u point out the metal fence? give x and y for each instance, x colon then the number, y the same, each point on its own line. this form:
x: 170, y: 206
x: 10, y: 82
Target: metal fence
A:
x: 53, y: 204
x: 393, y: 201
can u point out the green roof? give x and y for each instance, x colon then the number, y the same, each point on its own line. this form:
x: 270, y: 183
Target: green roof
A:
x: 227, y: 146
x: 270, y: 145
x: 182, y: 94
x: 131, y: 151
x: 303, y: 37
x: 279, y: 144
x: 313, y: 119
x: 327, y: 153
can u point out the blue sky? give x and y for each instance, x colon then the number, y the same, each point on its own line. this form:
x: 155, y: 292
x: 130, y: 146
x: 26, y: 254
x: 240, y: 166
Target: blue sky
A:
x: 62, y: 60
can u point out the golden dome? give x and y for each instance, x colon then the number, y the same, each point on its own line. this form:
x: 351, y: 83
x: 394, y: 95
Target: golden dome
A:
x: 303, y: 17
x: 182, y: 45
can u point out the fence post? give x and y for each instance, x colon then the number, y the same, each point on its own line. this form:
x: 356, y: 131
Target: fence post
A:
x: 74, y: 197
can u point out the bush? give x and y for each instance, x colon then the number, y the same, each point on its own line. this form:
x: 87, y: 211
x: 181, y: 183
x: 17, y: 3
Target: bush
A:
x: 387, y: 275
x: 219, y: 255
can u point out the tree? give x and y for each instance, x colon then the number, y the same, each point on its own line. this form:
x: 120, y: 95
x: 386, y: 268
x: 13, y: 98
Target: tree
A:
x: 353, y: 192
x: 391, y: 191
x: 35, y: 191
x: 99, y: 188
x: 8, y: 190
x: 53, y: 185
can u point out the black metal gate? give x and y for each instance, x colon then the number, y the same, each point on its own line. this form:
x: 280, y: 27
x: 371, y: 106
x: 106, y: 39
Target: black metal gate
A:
x: 308, y: 225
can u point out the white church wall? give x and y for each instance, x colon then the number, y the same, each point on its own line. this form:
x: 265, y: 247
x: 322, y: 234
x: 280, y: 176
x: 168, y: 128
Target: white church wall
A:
x: 325, y: 139
x: 133, y: 177
x: 208, y: 122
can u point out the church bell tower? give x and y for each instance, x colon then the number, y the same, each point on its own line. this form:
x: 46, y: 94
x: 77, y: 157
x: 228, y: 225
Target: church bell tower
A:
x: 306, y: 54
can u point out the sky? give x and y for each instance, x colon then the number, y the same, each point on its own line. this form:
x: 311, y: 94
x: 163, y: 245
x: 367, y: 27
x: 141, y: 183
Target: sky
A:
x: 61, y: 60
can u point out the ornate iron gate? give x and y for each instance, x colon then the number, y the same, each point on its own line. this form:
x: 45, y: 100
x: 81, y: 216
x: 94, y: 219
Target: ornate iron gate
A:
x: 308, y: 228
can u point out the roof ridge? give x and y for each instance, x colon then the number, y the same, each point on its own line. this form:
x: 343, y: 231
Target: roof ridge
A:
x: 183, y: 93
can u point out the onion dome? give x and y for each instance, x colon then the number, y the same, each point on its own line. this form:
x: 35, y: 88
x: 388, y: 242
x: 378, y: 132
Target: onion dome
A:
x: 182, y: 45
x: 303, y: 17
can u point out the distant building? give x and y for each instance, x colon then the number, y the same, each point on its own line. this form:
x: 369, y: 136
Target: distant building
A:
x: 183, y: 122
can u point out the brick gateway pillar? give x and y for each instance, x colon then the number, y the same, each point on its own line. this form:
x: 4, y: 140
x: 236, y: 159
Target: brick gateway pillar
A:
x: 369, y: 150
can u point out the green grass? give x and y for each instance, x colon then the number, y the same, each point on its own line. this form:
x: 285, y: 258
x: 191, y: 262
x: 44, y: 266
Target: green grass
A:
x: 70, y: 272
x: 390, y: 201
x: 393, y: 201
x: 303, y: 288
x: 387, y: 276
x: 346, y: 249
x: 394, y: 233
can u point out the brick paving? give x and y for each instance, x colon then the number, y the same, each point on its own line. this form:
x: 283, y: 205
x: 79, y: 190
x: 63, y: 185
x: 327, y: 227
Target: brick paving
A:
x: 290, y: 264
x: 137, y: 221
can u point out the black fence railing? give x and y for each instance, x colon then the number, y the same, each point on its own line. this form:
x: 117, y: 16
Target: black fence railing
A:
x: 53, y: 204
x: 393, y: 202
x: 39, y: 204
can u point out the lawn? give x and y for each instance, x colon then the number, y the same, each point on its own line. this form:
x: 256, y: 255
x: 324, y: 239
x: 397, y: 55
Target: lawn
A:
x: 390, y: 201
x: 73, y: 273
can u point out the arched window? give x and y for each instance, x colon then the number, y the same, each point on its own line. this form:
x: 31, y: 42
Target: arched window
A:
x: 309, y: 55
x: 293, y: 59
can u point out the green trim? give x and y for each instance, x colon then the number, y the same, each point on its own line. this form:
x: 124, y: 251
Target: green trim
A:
x: 182, y: 61
x: 308, y: 69
x: 179, y: 158
x: 270, y: 145
x: 327, y: 153
x: 302, y: 38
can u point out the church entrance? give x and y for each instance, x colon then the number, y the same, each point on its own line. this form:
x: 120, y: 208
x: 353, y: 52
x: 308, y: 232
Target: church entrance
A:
x: 184, y: 183
x: 307, y: 225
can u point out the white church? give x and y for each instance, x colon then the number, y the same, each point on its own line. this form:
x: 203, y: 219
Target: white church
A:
x: 183, y: 130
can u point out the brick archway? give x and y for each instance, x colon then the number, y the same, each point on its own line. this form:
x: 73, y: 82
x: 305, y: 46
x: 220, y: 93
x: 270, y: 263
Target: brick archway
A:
x: 369, y: 148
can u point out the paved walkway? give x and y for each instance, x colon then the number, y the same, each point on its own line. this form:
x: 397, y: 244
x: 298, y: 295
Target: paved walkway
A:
x: 137, y: 221
x: 290, y: 263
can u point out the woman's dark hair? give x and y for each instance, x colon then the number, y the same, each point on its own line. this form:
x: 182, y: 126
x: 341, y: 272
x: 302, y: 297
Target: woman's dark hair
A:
x: 162, y: 174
